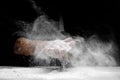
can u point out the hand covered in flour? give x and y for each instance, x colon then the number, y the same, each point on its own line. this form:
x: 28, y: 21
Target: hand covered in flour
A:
x: 58, y: 49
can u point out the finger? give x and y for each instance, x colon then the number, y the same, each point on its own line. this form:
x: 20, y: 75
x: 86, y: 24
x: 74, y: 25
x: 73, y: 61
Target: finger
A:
x: 57, y: 53
x: 68, y: 39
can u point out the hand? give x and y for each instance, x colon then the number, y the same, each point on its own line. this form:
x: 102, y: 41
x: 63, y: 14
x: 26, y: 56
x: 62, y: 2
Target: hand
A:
x: 58, y: 49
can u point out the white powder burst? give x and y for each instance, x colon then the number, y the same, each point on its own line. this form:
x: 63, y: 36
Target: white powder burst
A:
x: 77, y: 51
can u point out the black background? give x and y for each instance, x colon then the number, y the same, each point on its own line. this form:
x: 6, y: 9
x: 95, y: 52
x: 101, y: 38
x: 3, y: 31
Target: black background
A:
x: 81, y: 17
